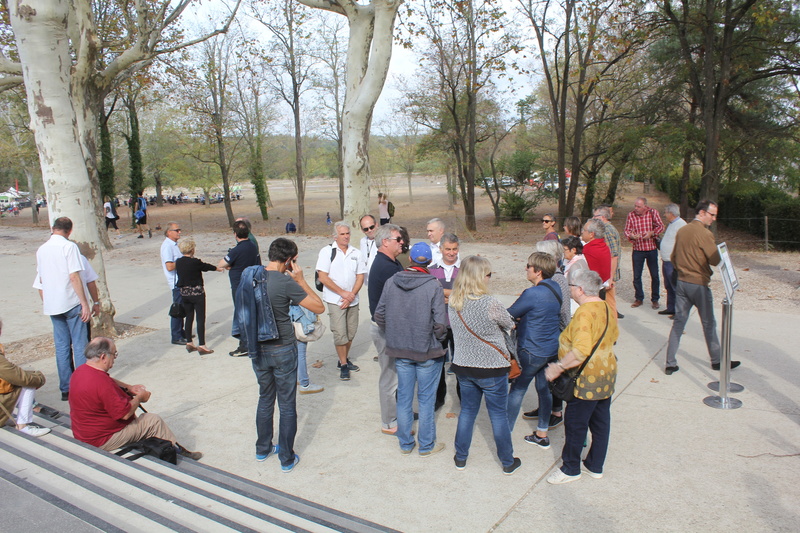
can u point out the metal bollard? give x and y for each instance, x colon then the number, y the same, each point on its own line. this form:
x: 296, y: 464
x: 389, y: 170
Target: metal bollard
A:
x: 724, y: 385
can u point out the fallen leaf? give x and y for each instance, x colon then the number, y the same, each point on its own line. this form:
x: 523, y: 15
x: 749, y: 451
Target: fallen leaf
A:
x: 450, y: 415
x: 317, y: 364
x: 654, y: 380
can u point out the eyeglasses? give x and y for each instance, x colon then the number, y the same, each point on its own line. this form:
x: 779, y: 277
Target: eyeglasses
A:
x: 372, y: 227
x: 547, y: 221
x: 177, y: 230
x: 114, y: 355
x: 398, y: 239
x: 489, y: 275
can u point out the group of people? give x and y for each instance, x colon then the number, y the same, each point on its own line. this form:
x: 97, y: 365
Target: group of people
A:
x: 435, y: 309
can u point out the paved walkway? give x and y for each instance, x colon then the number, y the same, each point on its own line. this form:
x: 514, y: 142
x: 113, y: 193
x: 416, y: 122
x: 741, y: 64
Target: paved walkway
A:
x: 674, y: 464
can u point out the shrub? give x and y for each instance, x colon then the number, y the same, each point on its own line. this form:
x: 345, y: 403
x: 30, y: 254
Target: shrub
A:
x: 516, y: 205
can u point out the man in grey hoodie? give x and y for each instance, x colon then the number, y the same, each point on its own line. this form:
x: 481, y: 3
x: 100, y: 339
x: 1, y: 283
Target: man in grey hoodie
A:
x: 412, y: 314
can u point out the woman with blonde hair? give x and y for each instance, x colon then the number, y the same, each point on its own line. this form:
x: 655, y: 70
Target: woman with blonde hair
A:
x: 193, y: 295
x: 481, y: 361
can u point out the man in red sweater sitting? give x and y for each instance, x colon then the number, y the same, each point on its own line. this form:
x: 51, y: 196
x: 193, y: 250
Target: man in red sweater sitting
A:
x: 103, y: 409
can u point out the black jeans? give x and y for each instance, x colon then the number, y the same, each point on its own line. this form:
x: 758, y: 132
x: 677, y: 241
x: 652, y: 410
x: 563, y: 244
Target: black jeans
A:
x: 195, y: 305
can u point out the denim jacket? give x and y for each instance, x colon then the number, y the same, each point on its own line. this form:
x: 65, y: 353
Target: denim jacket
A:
x: 256, y: 320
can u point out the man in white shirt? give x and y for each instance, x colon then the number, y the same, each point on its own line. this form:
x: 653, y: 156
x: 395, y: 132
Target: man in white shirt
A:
x: 435, y: 231
x: 58, y: 278
x: 341, y: 270
x: 368, y: 247
x: 674, y: 223
x: 169, y: 254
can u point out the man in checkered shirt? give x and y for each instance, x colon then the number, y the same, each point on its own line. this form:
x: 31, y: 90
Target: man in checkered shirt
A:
x: 642, y: 228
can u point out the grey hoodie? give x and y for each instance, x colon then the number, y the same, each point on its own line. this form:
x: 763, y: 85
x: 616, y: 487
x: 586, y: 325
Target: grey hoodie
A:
x: 412, y: 314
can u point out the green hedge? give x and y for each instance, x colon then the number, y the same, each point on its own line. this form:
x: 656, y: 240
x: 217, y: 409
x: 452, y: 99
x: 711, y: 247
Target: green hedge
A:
x: 743, y: 205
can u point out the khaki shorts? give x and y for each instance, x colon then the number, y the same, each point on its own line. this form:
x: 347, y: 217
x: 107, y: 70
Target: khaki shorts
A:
x: 344, y: 323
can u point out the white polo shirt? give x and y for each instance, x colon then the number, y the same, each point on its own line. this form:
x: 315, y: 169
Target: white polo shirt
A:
x: 369, y: 249
x: 169, y: 254
x: 55, y: 261
x: 342, y: 270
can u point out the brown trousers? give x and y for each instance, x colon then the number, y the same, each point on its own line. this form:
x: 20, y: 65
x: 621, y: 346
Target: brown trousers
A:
x: 145, y: 425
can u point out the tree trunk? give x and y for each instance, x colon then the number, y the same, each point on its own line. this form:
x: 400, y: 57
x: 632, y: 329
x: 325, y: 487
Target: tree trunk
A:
x: 29, y: 178
x: 40, y: 31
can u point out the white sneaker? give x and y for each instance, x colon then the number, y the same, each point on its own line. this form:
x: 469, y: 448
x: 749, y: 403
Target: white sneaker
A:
x: 35, y: 431
x: 591, y: 474
x: 559, y: 478
x: 310, y: 389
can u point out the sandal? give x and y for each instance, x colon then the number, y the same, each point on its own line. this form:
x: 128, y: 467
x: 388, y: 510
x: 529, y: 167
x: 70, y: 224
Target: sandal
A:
x: 202, y: 350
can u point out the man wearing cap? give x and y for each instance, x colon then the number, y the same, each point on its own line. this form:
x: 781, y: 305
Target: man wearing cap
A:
x: 412, y: 315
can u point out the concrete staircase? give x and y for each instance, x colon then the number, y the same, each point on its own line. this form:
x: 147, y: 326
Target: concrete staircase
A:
x: 56, y: 483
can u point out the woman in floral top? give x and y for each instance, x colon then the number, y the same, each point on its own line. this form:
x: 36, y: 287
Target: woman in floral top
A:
x: 590, y: 410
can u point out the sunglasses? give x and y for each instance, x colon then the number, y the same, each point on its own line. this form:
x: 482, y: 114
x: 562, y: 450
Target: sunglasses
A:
x: 372, y: 227
x: 548, y: 221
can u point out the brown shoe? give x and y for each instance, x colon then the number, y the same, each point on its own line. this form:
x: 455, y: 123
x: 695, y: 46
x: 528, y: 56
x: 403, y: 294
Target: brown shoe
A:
x: 655, y: 305
x: 204, y: 351
x: 637, y: 303
x: 195, y: 456
x: 190, y: 347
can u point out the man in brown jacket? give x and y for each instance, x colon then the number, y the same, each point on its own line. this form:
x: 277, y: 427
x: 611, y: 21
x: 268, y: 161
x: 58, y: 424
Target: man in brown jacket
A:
x: 694, y: 253
x: 17, y: 389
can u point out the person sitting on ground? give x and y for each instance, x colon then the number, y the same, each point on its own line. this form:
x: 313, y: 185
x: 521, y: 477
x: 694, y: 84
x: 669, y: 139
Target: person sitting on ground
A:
x: 17, y: 389
x: 193, y: 295
x: 291, y: 227
x: 103, y: 409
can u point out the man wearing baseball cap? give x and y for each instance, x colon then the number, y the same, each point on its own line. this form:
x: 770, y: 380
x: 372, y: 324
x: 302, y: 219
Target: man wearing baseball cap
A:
x: 412, y: 314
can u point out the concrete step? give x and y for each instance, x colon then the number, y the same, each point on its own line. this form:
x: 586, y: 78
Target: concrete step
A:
x: 103, y: 491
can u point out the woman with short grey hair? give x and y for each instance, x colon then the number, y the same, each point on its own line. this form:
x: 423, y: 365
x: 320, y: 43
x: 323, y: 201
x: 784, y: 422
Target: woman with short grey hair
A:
x: 591, y: 334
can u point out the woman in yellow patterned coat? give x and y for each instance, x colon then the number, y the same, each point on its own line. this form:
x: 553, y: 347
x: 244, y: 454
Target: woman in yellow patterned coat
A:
x: 590, y: 410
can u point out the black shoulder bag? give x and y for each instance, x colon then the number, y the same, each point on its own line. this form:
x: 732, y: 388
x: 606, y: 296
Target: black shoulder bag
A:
x: 317, y: 283
x: 563, y: 387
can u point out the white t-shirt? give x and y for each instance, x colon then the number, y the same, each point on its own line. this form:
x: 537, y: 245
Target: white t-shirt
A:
x: 169, y: 254
x: 55, y: 261
x: 369, y: 249
x: 343, y: 271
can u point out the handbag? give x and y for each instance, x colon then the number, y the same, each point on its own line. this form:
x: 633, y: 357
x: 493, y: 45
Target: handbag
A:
x: 316, y: 333
x: 515, y: 370
x: 563, y: 387
x: 177, y: 311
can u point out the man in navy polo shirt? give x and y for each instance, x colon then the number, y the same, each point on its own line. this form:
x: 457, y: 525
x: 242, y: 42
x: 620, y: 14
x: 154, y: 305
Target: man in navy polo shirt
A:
x: 241, y: 256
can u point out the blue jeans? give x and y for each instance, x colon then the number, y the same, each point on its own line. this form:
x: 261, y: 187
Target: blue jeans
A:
x: 496, y: 391
x: 688, y: 295
x: 276, y: 371
x: 176, y: 324
x: 70, y: 336
x: 666, y: 270
x: 639, y: 259
x: 302, y: 369
x: 424, y: 374
x: 532, y: 366
x: 580, y: 416
x: 235, y: 322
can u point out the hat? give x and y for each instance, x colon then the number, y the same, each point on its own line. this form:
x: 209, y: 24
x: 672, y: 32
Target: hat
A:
x: 421, y: 253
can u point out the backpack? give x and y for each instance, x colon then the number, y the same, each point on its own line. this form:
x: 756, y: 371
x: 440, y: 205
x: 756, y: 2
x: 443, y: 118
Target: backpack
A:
x: 158, y: 448
x: 390, y: 208
x: 317, y: 283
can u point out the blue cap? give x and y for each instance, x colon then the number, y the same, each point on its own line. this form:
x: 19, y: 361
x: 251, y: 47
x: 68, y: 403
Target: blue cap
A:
x: 421, y: 253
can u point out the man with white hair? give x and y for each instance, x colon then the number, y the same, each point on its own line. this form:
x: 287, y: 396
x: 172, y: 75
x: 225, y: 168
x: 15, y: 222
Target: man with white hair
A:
x: 369, y: 249
x: 341, y: 270
x: 675, y: 222
x: 435, y: 230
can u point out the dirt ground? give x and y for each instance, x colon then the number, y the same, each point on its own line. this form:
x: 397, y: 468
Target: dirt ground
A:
x: 768, y: 281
